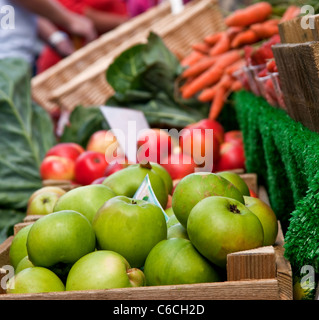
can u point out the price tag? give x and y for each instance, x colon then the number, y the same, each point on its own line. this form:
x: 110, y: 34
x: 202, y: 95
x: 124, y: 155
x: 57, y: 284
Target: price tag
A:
x: 125, y: 124
x: 145, y: 192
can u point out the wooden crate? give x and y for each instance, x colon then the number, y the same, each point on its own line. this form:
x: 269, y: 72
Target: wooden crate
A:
x: 298, y: 65
x: 258, y: 274
x: 80, y: 78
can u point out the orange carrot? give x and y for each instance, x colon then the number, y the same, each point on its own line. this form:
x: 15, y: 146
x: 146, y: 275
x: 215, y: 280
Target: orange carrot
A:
x: 187, y: 82
x: 265, y: 29
x: 235, y: 66
x: 223, y: 45
x: 233, y: 31
x: 291, y: 12
x: 236, y: 86
x: 199, y: 67
x: 229, y: 58
x: 254, y: 13
x: 218, y: 103
x: 213, y: 38
x: 226, y: 81
x: 244, y: 38
x: 208, y: 94
x: 192, y: 58
x: 206, y: 79
x: 201, y: 47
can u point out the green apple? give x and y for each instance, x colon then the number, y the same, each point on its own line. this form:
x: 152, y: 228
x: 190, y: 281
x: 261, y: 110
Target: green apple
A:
x: 52, y: 189
x: 266, y: 216
x: 35, y: 280
x: 61, y: 237
x: 169, y: 211
x: 236, y: 180
x: 197, y: 186
x: 172, y: 220
x: 177, y: 231
x: 18, y: 248
x: 126, y: 182
x: 23, y: 264
x: 218, y: 226
x: 163, y: 173
x: 176, y: 261
x: 130, y: 227
x: 43, y: 203
x: 103, y: 269
x: 86, y: 199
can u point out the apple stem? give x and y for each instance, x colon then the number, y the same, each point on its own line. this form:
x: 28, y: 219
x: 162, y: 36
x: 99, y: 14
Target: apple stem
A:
x: 146, y: 165
x: 233, y: 208
x: 134, y: 202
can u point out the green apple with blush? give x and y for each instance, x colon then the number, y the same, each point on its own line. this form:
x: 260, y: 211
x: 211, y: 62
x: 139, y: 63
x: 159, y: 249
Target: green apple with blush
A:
x: 177, y: 231
x: 236, y: 180
x: 126, y: 181
x: 103, y: 269
x: 130, y: 227
x: 218, y: 226
x: 267, y: 217
x: 60, y: 238
x: 43, y: 203
x: 85, y: 200
x: 197, y: 186
x: 35, y: 280
x: 176, y: 261
x: 23, y: 264
x: 18, y: 248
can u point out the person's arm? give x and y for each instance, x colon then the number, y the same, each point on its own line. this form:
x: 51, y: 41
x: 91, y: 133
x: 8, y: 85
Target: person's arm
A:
x: 57, y: 39
x: 104, y: 21
x: 60, y: 16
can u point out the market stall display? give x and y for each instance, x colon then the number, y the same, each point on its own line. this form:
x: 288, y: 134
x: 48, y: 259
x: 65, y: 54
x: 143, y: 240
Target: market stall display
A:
x: 239, y: 212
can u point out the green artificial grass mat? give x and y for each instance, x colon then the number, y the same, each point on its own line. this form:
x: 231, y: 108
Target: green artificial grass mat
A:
x: 285, y: 155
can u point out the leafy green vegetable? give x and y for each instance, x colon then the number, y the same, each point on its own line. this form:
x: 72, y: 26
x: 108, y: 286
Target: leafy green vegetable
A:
x: 26, y: 133
x: 84, y: 121
x: 143, y: 78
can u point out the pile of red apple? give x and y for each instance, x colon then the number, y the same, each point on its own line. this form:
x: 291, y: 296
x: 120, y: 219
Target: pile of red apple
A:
x: 99, y: 236
x: 225, y: 148
x: 69, y: 161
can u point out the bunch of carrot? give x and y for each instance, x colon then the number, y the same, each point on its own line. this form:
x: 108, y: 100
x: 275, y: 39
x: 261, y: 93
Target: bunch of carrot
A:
x: 209, y: 68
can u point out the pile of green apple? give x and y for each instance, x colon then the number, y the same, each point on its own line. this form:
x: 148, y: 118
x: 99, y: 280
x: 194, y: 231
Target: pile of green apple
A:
x: 100, y: 237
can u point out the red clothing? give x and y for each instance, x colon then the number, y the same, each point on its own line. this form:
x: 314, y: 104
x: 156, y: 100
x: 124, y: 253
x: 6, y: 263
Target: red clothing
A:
x: 50, y: 57
x: 111, y: 6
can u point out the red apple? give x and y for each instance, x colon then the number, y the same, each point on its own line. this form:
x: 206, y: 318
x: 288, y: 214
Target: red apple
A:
x: 90, y: 166
x: 116, y: 165
x: 104, y: 141
x: 234, y: 136
x: 253, y: 194
x: 57, y: 168
x: 194, y: 140
x: 212, y: 124
x: 232, y: 156
x: 153, y: 145
x: 98, y: 180
x: 66, y: 150
x: 179, y: 165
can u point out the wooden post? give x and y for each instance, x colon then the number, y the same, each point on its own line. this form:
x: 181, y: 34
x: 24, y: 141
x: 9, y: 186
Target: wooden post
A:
x: 298, y: 66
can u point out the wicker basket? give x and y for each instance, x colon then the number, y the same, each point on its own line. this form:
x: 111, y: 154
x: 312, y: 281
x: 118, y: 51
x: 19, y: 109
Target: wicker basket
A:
x: 80, y: 78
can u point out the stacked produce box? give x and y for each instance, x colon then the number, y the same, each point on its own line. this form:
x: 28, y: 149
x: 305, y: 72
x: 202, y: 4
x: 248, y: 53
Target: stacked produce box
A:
x: 186, y: 215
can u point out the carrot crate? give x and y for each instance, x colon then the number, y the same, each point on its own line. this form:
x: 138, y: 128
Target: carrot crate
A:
x: 258, y: 274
